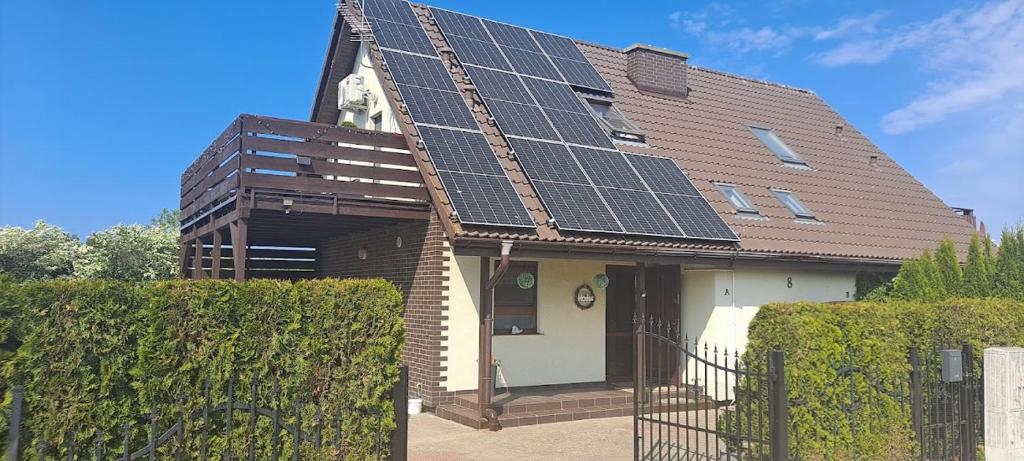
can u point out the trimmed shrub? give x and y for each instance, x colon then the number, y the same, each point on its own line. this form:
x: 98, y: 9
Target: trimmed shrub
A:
x: 100, y: 354
x: 817, y: 339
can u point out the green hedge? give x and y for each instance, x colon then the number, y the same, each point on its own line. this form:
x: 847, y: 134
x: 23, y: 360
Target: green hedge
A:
x: 99, y: 354
x: 817, y: 339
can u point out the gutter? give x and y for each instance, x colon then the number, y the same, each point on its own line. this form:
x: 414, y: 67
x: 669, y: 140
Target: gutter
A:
x: 731, y: 256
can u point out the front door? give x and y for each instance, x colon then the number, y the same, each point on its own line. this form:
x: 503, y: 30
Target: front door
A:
x: 662, y: 303
x: 619, y: 307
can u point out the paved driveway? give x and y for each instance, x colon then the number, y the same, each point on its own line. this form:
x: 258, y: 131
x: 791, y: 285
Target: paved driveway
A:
x: 607, y: 439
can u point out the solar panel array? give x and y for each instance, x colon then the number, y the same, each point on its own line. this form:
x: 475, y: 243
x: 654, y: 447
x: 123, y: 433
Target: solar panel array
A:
x: 477, y: 186
x: 584, y: 182
x: 494, y: 45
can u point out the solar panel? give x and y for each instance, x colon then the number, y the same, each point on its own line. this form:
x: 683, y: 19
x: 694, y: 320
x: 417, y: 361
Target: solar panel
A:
x: 403, y: 37
x: 555, y: 95
x: 435, y: 107
x: 460, y: 24
x: 481, y: 199
x: 662, y: 175
x: 512, y: 36
x: 576, y: 207
x: 696, y: 217
x: 455, y: 150
x: 639, y: 212
x: 530, y: 63
x: 559, y: 46
x: 521, y: 120
x: 608, y: 168
x: 471, y: 51
x: 493, y: 84
x: 579, y: 128
x: 390, y: 10
x: 581, y: 74
x: 416, y: 70
x: 545, y: 161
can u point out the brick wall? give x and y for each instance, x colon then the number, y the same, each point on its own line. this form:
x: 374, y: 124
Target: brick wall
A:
x: 657, y: 70
x: 417, y: 268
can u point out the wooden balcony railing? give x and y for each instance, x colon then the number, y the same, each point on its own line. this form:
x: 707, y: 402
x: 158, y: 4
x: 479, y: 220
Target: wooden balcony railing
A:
x: 301, y: 167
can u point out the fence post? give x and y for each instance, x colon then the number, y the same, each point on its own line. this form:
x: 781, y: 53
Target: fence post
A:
x: 916, y: 399
x: 400, y: 400
x: 967, y: 435
x: 14, y: 432
x: 778, y: 406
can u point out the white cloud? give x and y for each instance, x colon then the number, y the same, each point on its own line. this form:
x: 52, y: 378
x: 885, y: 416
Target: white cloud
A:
x: 858, y: 25
x: 982, y: 170
x: 717, y: 24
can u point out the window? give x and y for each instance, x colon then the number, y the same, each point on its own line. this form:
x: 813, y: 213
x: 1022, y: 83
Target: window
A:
x: 779, y: 148
x: 620, y: 126
x: 515, y: 299
x: 794, y: 204
x: 377, y: 122
x: 736, y: 198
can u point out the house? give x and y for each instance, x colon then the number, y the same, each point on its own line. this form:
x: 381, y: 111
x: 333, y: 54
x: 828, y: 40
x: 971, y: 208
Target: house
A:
x: 532, y: 195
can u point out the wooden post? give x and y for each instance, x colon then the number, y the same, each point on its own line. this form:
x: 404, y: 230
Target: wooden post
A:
x: 183, y: 260
x: 197, y: 259
x: 239, y: 236
x: 218, y: 241
x: 400, y: 401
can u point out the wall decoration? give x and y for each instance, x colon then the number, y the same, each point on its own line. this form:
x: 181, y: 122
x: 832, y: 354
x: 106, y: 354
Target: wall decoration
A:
x: 525, y: 280
x: 585, y: 297
x: 601, y: 280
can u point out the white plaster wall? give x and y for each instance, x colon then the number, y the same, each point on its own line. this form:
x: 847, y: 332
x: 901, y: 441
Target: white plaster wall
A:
x: 569, y: 347
x: 378, y: 102
x: 463, y: 323
x: 718, y: 305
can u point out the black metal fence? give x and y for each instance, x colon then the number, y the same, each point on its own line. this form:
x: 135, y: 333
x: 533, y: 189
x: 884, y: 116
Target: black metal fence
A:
x: 702, y: 403
x: 949, y: 416
x: 705, y: 403
x: 279, y: 440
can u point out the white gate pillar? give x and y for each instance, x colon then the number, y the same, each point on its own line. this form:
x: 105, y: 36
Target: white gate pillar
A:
x: 1004, y: 403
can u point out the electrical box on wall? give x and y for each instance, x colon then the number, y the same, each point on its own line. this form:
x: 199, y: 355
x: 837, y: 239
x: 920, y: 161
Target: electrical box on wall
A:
x: 352, y: 93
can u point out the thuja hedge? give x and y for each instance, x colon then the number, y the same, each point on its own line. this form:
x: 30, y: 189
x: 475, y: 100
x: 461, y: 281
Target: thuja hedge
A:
x: 100, y: 354
x: 817, y: 340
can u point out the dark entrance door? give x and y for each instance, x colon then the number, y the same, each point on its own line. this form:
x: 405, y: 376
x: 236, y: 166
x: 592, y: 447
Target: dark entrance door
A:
x: 662, y: 303
x: 619, y: 307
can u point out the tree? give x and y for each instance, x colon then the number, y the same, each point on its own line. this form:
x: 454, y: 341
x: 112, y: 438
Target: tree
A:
x: 948, y: 265
x: 42, y: 252
x: 918, y: 280
x: 1008, y: 281
x: 977, y: 281
x: 130, y: 253
x: 167, y: 219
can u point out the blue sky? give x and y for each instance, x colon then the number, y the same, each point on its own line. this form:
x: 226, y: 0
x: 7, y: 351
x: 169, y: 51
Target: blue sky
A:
x: 103, y: 104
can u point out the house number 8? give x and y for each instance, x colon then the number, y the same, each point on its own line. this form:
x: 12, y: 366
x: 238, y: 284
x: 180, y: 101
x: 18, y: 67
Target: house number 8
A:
x: 789, y: 282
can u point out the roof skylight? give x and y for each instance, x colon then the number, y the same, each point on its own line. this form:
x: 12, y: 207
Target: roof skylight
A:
x: 779, y: 148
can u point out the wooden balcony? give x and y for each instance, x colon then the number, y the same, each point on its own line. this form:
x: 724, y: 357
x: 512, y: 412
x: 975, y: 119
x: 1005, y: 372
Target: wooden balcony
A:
x: 269, y: 183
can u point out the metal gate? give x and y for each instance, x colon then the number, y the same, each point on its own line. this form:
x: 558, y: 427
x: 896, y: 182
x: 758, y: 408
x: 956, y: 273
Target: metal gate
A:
x: 700, y: 402
x: 948, y: 413
x: 703, y: 403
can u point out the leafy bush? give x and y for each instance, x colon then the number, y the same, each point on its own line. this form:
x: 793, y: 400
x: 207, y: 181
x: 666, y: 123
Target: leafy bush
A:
x: 99, y: 354
x: 817, y: 339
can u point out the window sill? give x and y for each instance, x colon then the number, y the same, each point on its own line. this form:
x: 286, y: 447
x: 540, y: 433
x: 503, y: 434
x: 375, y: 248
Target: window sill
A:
x: 532, y: 333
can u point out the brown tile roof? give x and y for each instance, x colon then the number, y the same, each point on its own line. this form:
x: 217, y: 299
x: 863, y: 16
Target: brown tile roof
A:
x: 866, y: 212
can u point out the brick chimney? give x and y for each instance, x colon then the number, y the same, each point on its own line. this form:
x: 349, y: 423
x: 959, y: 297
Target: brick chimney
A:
x: 657, y: 70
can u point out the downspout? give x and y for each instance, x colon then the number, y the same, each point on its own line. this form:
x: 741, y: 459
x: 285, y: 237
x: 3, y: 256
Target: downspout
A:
x: 486, y: 386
